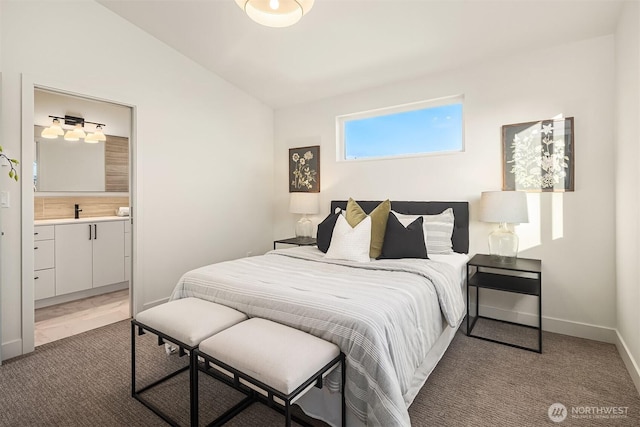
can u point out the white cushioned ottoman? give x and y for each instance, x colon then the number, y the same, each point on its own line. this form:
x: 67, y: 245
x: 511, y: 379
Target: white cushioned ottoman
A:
x: 185, y: 323
x: 287, y: 360
x: 190, y: 320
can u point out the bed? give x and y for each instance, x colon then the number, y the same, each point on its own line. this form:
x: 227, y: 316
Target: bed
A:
x: 393, y: 318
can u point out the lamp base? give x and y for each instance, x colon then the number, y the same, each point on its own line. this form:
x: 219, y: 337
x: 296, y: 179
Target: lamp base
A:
x: 304, y: 227
x: 503, y: 245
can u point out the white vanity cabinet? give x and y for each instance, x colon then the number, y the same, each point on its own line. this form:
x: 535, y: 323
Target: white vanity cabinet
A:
x: 44, y: 261
x: 88, y: 255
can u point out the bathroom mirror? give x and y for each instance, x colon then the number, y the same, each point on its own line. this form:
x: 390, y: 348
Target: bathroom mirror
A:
x: 66, y: 166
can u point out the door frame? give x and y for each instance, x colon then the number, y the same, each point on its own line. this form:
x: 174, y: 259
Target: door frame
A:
x: 29, y: 84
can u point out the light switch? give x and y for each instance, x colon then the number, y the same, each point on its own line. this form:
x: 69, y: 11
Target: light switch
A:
x: 4, y: 199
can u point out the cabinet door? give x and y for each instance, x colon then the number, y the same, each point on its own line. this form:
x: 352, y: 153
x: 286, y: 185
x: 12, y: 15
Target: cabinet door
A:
x: 73, y: 251
x: 44, y: 283
x: 108, y: 253
x: 43, y: 254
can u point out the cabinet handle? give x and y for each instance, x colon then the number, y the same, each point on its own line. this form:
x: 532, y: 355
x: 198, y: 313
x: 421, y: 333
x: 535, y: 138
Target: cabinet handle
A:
x: 89, y: 231
x: 36, y: 278
x: 95, y: 231
x: 36, y: 233
x: 35, y: 248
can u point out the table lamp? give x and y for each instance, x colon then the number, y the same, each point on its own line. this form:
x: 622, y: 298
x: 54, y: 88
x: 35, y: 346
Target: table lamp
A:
x: 503, y: 207
x: 305, y: 204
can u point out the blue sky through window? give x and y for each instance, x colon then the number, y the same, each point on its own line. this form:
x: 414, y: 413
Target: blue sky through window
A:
x: 428, y: 130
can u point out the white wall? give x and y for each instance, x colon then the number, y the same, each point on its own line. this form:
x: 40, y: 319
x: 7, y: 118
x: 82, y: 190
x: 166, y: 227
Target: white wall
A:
x: 627, y: 185
x: 573, y: 233
x: 203, y: 153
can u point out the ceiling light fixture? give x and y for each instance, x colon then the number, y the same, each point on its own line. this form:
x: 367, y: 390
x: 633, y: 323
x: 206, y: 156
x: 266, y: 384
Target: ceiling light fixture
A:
x: 75, y: 134
x: 276, y: 13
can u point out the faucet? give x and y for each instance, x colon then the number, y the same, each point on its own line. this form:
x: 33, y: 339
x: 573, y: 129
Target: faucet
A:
x: 77, y: 211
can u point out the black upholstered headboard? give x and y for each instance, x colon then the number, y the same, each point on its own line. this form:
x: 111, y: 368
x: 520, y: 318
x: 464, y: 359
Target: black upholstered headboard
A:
x: 460, y: 237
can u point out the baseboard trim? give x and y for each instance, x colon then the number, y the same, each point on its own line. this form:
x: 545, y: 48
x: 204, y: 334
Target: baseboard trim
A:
x: 11, y: 349
x: 61, y: 299
x: 551, y: 324
x: 628, y: 360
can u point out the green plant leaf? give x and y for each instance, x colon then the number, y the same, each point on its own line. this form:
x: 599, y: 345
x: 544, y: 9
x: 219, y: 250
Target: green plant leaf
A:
x: 0, y: 148
x: 14, y: 161
x: 11, y: 174
x: 15, y: 177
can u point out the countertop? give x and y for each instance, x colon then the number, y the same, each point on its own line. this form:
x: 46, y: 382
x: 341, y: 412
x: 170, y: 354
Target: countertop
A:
x: 79, y: 220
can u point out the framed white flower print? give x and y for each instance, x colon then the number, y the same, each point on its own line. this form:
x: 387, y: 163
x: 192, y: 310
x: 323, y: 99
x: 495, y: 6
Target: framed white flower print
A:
x: 538, y: 156
x: 304, y: 169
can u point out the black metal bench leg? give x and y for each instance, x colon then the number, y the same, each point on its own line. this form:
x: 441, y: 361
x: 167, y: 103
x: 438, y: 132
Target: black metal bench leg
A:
x: 287, y: 410
x: 342, y: 387
x: 193, y: 387
x: 133, y: 360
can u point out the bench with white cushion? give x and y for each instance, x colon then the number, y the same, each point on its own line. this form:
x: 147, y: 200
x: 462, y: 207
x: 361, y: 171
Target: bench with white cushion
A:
x: 269, y: 362
x: 183, y: 323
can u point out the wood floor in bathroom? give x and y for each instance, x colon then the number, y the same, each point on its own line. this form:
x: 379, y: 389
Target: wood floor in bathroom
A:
x: 64, y: 320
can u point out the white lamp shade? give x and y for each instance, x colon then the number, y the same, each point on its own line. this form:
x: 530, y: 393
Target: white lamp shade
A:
x: 80, y: 133
x: 71, y: 136
x: 504, y: 206
x: 49, y: 133
x: 91, y: 138
x: 57, y: 128
x: 275, y: 13
x: 100, y: 136
x: 304, y: 203
x: 97, y: 136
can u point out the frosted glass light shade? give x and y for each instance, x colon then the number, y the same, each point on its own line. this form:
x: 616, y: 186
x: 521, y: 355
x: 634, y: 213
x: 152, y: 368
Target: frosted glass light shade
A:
x: 91, y: 138
x: 100, y: 136
x: 53, y: 131
x: 57, y: 127
x: 77, y: 129
x: 275, y: 13
x: 75, y: 134
x: 71, y: 136
x: 96, y: 137
x: 49, y: 133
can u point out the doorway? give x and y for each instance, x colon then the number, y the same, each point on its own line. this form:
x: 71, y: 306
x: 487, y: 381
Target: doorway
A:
x: 62, y: 304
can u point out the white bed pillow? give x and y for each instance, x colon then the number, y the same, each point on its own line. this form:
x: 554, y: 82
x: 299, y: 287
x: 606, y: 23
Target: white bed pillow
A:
x: 351, y: 244
x: 438, y: 230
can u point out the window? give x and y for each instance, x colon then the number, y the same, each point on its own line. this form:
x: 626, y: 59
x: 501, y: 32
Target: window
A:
x: 413, y: 129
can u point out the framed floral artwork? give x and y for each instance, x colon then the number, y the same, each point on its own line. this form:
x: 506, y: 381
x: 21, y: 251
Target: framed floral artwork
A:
x: 538, y: 156
x: 304, y: 169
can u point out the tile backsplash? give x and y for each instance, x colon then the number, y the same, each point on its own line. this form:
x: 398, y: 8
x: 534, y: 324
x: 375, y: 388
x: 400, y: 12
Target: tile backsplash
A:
x: 63, y: 207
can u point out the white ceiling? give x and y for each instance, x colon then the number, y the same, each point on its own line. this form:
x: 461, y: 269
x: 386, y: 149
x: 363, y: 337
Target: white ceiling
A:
x: 342, y: 46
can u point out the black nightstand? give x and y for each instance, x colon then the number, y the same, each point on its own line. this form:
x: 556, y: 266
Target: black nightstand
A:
x: 492, y: 274
x: 299, y: 241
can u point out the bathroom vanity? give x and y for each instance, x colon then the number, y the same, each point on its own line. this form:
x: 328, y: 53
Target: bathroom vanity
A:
x: 76, y: 258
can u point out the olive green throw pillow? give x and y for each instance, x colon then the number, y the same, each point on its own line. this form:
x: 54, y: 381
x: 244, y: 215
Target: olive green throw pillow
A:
x: 379, y: 217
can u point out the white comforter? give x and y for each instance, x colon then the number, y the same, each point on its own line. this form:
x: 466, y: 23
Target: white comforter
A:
x: 379, y: 313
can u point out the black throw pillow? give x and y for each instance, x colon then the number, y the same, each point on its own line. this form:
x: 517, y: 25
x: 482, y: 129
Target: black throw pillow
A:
x: 401, y: 242
x: 325, y: 231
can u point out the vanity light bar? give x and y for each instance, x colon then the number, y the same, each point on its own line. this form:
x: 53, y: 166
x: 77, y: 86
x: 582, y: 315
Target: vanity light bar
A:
x: 72, y: 121
x: 77, y: 132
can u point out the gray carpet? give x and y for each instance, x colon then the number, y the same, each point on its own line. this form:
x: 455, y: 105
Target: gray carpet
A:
x: 84, y: 381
